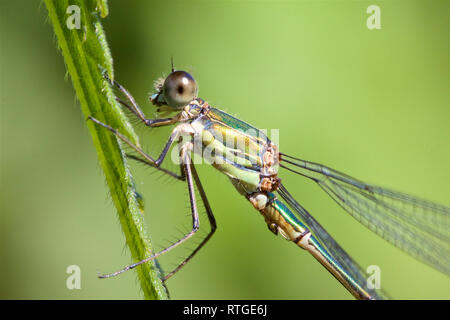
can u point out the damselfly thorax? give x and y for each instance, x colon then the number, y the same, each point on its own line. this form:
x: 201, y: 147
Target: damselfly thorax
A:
x: 240, y: 151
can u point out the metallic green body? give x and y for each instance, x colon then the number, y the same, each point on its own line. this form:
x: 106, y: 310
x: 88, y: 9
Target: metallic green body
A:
x: 277, y: 207
x: 233, y: 147
x: 237, y: 149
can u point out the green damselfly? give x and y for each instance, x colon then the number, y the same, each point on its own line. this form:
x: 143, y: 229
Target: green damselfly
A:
x: 251, y: 161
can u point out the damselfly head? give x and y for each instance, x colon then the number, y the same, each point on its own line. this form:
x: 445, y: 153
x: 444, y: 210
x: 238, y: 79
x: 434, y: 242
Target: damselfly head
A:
x: 174, y: 92
x: 179, y: 89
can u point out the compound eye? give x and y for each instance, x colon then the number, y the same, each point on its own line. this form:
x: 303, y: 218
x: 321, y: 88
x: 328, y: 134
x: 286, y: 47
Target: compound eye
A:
x: 179, y: 89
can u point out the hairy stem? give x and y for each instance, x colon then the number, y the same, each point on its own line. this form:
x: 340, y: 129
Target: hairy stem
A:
x: 86, y: 54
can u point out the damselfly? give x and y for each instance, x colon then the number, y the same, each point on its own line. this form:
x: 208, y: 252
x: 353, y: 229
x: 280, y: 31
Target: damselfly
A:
x: 251, y: 161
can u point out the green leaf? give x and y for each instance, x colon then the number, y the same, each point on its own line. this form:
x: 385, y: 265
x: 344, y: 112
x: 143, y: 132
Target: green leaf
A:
x: 86, y: 55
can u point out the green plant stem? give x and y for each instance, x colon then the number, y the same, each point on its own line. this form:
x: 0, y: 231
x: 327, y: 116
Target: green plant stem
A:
x: 86, y: 55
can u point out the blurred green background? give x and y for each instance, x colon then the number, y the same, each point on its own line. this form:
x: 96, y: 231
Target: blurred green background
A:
x: 372, y: 103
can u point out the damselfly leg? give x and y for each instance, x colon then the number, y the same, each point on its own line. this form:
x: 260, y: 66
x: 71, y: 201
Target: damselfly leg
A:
x: 188, y: 174
x: 134, y: 107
